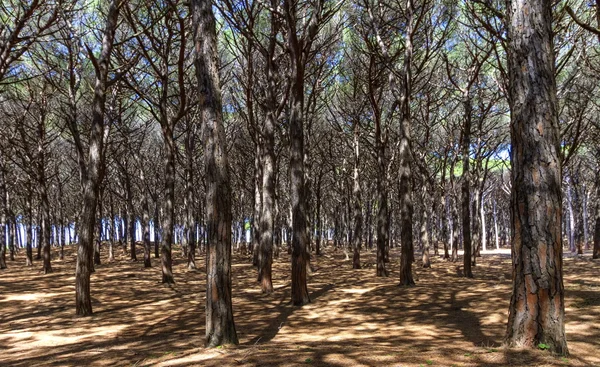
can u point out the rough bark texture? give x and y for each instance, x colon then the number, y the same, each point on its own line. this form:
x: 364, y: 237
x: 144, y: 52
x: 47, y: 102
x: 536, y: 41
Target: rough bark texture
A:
x: 265, y: 256
x: 190, y: 223
x: 220, y: 327
x: 255, y: 241
x: 407, y: 256
x: 92, y: 174
x: 357, y: 209
x: 536, y: 313
x: 166, y: 261
x: 5, y: 226
x: 424, y: 230
x: 383, y: 225
x: 466, y: 187
x: 297, y: 48
x: 596, y: 254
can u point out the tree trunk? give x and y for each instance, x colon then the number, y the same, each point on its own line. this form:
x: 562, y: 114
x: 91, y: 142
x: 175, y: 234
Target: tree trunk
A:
x: 28, y: 238
x: 92, y: 175
x: 156, y: 223
x: 3, y: 228
x: 466, y: 185
x: 4, y: 221
x: 424, y: 232
x: 220, y: 326
x: 596, y: 254
x: 166, y: 260
x: 536, y: 313
x: 255, y: 241
x: 112, y: 229
x: 407, y: 255
x: 265, y: 257
x: 98, y: 241
x: 190, y: 224
x: 383, y: 225
x: 455, y: 227
x: 356, y: 195
x: 297, y: 48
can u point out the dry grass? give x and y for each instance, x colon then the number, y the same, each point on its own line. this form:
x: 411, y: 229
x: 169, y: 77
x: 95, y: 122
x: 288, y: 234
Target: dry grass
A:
x: 355, y: 319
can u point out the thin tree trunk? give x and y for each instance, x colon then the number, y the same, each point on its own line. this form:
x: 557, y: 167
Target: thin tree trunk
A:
x: 27, y: 237
x: 156, y: 223
x: 190, y: 224
x: 255, y: 241
x: 356, y: 194
x: 424, y: 232
x: 265, y: 258
x: 169, y: 213
x: 455, y: 226
x: 4, y: 222
x: 466, y: 185
x: 596, y: 254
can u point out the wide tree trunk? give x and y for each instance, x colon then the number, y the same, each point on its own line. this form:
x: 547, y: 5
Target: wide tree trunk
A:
x: 220, y: 326
x: 536, y: 313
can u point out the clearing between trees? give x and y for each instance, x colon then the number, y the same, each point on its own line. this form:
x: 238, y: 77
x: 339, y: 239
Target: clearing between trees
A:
x: 354, y: 318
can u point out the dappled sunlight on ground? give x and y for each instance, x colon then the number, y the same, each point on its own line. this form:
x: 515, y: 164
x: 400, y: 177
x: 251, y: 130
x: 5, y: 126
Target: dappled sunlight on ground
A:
x: 354, y: 319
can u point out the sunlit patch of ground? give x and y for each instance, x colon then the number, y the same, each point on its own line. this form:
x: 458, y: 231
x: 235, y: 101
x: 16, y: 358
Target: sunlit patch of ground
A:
x: 354, y: 319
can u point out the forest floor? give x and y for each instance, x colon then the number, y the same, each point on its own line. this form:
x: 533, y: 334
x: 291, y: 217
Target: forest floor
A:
x: 354, y: 319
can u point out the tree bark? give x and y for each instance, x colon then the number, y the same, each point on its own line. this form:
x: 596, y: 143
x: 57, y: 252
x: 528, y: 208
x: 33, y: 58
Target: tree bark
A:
x: 536, y: 313
x: 298, y: 49
x: 220, y: 326
x: 265, y: 258
x: 255, y: 241
x: 424, y: 232
x: 596, y: 253
x: 166, y: 260
x: 91, y: 176
x: 356, y: 195
x: 190, y: 224
x: 28, y: 237
x: 466, y: 186
x: 407, y: 255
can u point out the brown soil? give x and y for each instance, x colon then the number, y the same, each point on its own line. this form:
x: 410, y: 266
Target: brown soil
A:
x: 355, y: 318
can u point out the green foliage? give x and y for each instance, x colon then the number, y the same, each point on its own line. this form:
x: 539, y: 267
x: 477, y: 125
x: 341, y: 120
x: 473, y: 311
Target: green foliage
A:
x: 308, y: 360
x: 543, y: 346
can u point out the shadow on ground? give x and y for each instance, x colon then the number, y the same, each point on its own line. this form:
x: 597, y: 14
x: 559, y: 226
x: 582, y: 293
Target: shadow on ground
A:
x: 354, y: 319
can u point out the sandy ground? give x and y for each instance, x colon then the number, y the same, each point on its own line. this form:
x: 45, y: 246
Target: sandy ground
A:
x: 354, y: 319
